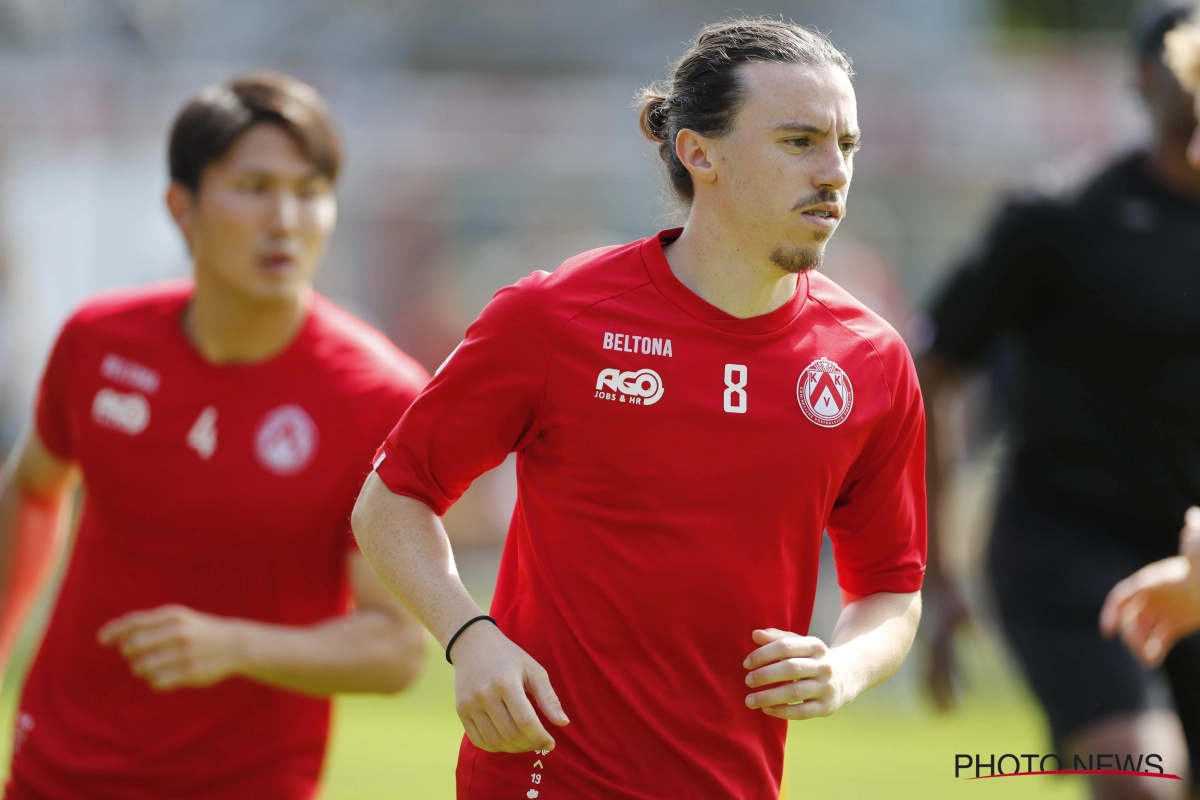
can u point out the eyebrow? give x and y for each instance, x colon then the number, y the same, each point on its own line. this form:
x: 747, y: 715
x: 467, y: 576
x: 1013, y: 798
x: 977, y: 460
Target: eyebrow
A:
x: 256, y: 172
x: 801, y: 127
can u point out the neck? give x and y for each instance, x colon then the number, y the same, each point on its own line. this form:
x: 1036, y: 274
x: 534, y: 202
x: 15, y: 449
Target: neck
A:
x: 228, y: 327
x: 1168, y: 159
x: 727, y: 273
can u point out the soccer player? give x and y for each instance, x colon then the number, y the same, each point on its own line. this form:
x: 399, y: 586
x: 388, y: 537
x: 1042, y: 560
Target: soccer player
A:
x: 1160, y: 603
x: 689, y: 412
x: 221, y: 428
x: 1097, y: 290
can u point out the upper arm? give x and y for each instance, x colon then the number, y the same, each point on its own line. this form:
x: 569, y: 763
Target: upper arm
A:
x: 900, y: 599
x: 878, y: 522
x: 42, y: 462
x: 482, y: 404
x: 937, y: 374
x: 36, y: 470
x: 1000, y: 285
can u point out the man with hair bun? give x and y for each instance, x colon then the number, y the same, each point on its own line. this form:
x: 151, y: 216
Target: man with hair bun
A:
x: 221, y: 428
x: 690, y: 412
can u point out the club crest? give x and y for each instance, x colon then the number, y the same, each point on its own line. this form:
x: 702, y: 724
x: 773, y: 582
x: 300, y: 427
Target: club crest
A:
x: 286, y: 440
x: 825, y: 393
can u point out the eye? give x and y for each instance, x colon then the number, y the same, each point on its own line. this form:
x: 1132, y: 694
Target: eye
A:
x: 799, y: 142
x: 850, y: 147
x: 313, y: 188
x: 254, y: 185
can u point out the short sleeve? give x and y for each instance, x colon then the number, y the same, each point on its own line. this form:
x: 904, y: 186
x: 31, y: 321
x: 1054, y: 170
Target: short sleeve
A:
x: 482, y: 404
x: 1000, y: 285
x: 878, y: 523
x: 51, y: 409
x: 389, y: 404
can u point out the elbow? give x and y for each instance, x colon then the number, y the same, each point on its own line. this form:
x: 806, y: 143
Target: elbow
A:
x: 405, y: 663
x: 409, y: 665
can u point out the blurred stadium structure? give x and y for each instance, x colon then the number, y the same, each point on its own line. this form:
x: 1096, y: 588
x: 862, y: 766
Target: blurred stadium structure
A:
x: 490, y: 138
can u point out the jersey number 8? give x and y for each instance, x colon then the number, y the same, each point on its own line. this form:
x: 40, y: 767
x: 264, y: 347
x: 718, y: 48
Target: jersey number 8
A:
x: 735, y: 393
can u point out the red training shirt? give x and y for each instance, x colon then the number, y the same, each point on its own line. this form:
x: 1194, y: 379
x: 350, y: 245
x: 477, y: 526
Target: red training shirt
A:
x: 227, y: 489
x: 676, y: 468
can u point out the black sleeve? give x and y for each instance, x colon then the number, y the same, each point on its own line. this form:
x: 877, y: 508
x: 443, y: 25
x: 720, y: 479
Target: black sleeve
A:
x: 1002, y: 284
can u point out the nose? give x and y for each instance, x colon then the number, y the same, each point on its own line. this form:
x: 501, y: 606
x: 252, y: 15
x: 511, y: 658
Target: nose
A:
x: 833, y: 169
x: 285, y: 213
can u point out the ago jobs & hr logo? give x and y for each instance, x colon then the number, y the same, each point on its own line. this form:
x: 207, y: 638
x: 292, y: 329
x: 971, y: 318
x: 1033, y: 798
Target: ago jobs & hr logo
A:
x: 641, y: 387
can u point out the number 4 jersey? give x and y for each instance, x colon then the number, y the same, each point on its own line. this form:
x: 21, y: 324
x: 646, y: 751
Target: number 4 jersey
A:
x: 676, y: 468
x: 224, y: 488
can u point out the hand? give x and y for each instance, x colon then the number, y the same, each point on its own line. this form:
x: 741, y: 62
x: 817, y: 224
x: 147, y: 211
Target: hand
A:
x: 1154, y: 607
x: 813, y: 685
x: 491, y: 678
x: 174, y: 646
x: 949, y: 613
x: 1160, y: 603
x: 1189, y: 537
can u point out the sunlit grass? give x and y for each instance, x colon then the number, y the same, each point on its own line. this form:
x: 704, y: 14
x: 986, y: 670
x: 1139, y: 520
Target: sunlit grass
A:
x: 875, y: 748
x: 884, y: 745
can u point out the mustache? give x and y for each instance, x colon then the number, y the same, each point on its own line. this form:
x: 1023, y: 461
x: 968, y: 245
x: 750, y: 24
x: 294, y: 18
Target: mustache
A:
x: 819, y: 197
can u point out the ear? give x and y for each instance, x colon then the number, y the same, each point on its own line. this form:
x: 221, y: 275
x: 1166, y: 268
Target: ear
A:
x: 181, y: 202
x: 692, y: 149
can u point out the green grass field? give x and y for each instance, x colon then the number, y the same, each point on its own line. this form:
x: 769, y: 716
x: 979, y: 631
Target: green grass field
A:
x: 884, y: 745
x: 406, y: 746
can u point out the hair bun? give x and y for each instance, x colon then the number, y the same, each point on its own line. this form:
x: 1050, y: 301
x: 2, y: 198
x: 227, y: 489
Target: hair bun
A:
x: 654, y: 119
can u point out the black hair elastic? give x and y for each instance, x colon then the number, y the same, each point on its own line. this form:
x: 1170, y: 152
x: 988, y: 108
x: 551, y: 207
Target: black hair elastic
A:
x: 466, y: 625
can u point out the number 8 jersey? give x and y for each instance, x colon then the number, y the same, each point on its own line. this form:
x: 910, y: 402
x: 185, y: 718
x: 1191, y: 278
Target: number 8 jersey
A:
x: 676, y: 469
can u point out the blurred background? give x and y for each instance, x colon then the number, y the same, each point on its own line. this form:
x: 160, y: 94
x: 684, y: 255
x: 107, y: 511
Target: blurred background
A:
x: 489, y: 139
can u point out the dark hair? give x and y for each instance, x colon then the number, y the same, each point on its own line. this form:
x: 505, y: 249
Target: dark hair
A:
x: 214, y: 119
x: 1150, y: 23
x: 704, y: 93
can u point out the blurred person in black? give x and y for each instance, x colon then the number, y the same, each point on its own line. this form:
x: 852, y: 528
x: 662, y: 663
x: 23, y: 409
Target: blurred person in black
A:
x: 1096, y: 291
x: 1159, y: 604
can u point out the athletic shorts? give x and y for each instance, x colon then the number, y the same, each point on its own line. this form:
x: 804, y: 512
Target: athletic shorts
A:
x: 1050, y: 571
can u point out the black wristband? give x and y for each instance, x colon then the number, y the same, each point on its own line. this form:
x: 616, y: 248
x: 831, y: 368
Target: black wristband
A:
x: 466, y: 625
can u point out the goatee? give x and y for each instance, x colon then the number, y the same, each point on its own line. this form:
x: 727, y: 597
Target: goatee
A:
x: 796, y: 259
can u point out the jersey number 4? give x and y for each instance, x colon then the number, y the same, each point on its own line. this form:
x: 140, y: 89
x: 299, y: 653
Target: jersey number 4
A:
x: 203, y: 436
x: 735, y: 388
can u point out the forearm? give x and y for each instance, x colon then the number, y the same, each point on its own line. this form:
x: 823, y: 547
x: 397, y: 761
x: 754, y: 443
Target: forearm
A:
x: 32, y: 527
x: 937, y: 381
x: 367, y: 651
x: 872, y: 637
x: 406, y: 545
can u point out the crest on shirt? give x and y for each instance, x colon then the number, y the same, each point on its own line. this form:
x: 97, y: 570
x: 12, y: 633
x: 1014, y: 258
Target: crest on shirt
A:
x: 825, y: 393
x: 286, y: 440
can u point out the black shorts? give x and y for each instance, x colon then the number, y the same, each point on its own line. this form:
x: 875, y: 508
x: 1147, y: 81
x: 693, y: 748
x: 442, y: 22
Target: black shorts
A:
x: 1050, y: 571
